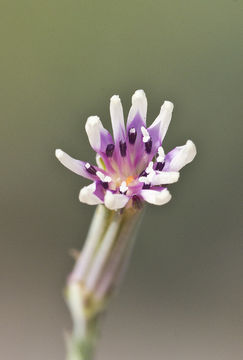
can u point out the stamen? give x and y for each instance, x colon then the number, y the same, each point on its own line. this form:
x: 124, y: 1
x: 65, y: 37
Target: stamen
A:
x: 143, y: 173
x: 145, y: 133
x: 143, y: 179
x: 123, y: 187
x: 123, y: 148
x: 109, y: 150
x: 147, y: 179
x: 146, y: 186
x: 147, y: 140
x: 148, y: 146
x: 161, y: 154
x: 149, y: 169
x: 103, y: 178
x: 160, y: 165
x: 132, y: 134
x: 105, y: 185
x: 90, y: 169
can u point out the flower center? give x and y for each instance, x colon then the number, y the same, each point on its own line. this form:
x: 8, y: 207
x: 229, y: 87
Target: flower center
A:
x: 129, y: 179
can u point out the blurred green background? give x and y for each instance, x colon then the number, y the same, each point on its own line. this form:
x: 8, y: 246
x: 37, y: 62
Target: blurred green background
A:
x: 61, y: 61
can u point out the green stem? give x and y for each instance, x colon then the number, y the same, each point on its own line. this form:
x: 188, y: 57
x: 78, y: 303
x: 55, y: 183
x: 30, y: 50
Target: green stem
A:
x: 82, y: 347
x: 96, y: 274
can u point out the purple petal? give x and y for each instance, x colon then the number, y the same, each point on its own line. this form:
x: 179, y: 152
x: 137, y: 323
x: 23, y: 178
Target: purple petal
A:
x: 180, y: 156
x: 160, y: 126
x: 99, y: 137
x: 139, y: 106
x: 87, y: 195
x: 78, y: 167
x: 117, y: 119
x: 99, y: 190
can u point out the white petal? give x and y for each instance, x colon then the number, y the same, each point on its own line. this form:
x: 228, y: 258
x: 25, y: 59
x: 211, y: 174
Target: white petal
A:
x: 139, y: 99
x: 74, y: 165
x: 117, y: 118
x: 87, y: 196
x: 156, y: 197
x: 182, y: 156
x: 115, y: 201
x: 163, y: 119
x: 139, y: 104
x: 93, y: 127
x: 164, y: 177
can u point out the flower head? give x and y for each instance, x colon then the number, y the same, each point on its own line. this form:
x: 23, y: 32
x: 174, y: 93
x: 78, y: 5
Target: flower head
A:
x: 131, y: 166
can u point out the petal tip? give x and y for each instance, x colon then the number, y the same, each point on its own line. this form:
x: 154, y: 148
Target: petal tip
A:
x: 166, y: 196
x: 115, y: 99
x: 59, y: 153
x: 168, y: 105
x: 93, y: 127
x: 138, y: 95
x: 83, y: 194
x: 92, y: 121
x: 163, y: 197
x: 176, y: 176
x: 192, y: 150
x: 191, y: 144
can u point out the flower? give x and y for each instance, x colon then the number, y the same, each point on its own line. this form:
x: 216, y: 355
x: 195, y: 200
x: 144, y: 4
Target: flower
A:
x: 132, y: 166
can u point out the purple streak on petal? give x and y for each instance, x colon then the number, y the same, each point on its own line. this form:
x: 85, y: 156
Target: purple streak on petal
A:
x: 131, y: 148
x: 141, y: 159
x: 135, y: 189
x: 105, y: 140
x: 169, y: 157
x: 99, y: 191
x: 137, y: 149
x: 136, y: 123
x: 155, y: 135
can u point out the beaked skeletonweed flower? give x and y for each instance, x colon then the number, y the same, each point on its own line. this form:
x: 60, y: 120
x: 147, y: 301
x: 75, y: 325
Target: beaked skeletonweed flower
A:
x: 131, y: 166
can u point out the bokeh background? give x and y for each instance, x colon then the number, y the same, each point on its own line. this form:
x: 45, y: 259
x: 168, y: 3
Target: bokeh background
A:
x: 61, y: 61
